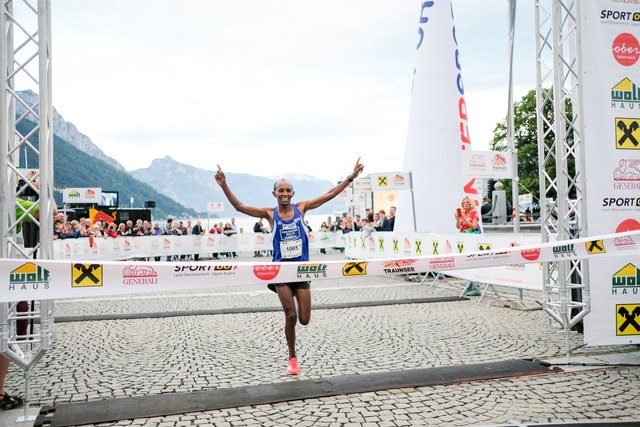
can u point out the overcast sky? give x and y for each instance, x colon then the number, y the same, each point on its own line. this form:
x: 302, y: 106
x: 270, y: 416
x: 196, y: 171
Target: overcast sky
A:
x: 269, y: 87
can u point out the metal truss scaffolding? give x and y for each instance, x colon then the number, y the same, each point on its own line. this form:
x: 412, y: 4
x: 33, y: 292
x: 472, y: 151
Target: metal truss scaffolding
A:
x: 561, y: 157
x: 26, y: 190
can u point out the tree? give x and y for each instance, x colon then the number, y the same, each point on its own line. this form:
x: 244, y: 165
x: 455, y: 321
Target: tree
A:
x: 526, y: 142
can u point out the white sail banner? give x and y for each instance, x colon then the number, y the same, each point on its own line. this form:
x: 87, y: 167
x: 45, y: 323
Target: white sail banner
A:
x: 610, y: 51
x: 438, y: 129
x: 42, y: 279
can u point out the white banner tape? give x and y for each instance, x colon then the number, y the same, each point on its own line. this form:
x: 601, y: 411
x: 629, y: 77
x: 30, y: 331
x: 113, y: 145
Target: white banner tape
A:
x: 40, y: 279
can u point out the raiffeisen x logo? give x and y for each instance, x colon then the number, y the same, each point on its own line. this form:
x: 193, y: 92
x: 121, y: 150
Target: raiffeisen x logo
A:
x: 626, y: 136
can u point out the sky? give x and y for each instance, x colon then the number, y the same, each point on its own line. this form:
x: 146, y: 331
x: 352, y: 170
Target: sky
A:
x: 270, y: 87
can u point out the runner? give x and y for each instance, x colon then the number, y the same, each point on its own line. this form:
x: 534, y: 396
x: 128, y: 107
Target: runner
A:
x: 290, y: 243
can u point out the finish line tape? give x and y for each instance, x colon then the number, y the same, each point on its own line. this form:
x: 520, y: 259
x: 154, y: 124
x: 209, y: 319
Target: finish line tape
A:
x: 56, y: 279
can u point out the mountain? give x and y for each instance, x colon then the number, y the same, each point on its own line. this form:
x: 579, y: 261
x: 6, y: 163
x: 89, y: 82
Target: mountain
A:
x: 66, y: 130
x: 195, y: 187
x: 75, y: 168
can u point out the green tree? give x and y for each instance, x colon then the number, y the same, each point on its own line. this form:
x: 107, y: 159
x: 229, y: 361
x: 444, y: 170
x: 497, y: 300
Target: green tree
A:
x: 526, y: 142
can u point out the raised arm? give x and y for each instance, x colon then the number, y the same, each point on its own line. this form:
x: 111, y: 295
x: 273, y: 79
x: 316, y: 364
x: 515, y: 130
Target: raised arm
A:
x: 321, y: 200
x: 265, y: 213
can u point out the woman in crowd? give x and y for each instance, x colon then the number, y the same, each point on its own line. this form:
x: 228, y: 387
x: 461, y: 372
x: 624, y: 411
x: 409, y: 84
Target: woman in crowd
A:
x: 467, y: 216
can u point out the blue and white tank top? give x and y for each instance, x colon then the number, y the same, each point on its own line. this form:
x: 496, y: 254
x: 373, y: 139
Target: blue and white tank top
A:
x: 290, y: 240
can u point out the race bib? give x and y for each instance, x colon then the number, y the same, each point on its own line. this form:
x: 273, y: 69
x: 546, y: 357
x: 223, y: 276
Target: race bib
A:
x: 291, y: 248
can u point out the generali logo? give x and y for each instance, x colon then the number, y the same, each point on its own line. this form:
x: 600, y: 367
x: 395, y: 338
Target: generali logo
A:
x: 139, y: 275
x: 626, y: 49
x: 627, y: 175
x: 530, y: 254
x: 266, y: 272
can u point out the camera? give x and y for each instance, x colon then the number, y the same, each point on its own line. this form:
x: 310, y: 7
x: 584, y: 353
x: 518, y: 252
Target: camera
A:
x: 28, y: 191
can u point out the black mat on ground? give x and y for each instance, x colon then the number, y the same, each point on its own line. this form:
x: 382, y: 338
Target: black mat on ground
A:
x: 294, y: 389
x: 243, y: 310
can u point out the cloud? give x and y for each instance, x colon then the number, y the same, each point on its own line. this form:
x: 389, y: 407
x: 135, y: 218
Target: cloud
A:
x: 270, y: 87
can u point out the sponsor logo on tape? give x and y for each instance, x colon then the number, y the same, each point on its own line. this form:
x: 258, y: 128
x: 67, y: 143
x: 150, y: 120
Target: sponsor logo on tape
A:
x: 355, y: 269
x: 627, y: 133
x: 530, y: 254
x: 626, y: 176
x: 399, y: 266
x: 381, y: 244
x: 484, y: 246
x: 396, y: 247
x: 29, y: 276
x: 383, y: 181
x: 627, y: 319
x: 625, y: 49
x: 460, y: 246
x: 435, y: 244
x: 564, y: 251
x: 626, y: 243
x: 86, y: 275
x: 484, y: 255
x: 209, y: 270
x: 442, y: 263
x: 418, y: 247
x: 595, y: 247
x: 312, y: 271
x: 139, y: 275
x: 266, y: 272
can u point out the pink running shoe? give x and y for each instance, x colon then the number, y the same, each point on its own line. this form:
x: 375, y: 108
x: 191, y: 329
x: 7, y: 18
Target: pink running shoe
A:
x: 292, y: 368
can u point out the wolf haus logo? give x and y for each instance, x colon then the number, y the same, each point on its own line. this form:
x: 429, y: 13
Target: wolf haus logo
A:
x: 312, y: 271
x: 625, y: 94
x: 400, y: 266
x: 627, y: 175
x: 563, y: 251
x: 29, y: 276
x: 626, y: 280
x: 139, y: 275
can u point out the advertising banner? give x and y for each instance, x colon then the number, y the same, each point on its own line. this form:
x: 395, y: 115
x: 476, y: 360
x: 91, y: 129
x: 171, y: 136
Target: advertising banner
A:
x: 390, y: 181
x: 215, y: 207
x: 487, y: 164
x: 122, y: 248
x: 438, y: 129
x: 82, y: 195
x: 50, y: 279
x: 393, y: 245
x: 610, y: 48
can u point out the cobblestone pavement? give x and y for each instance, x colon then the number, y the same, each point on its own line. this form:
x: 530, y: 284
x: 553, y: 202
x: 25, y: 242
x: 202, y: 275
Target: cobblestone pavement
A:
x: 118, y: 358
